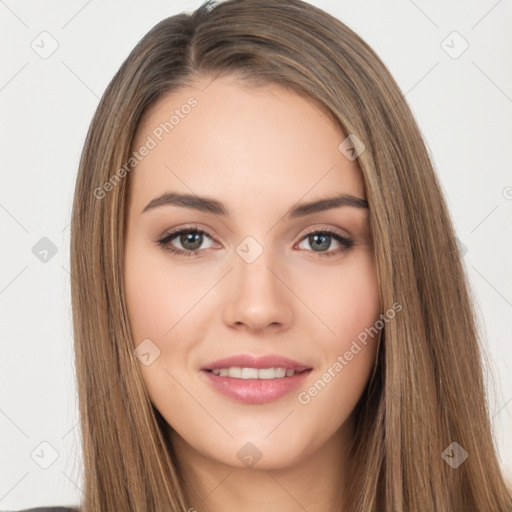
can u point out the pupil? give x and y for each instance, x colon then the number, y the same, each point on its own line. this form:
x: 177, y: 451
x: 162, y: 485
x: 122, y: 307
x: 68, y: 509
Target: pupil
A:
x: 323, y: 245
x: 191, y: 238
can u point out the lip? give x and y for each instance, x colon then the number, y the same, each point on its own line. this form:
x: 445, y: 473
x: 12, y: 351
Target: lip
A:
x: 248, y: 361
x: 255, y: 391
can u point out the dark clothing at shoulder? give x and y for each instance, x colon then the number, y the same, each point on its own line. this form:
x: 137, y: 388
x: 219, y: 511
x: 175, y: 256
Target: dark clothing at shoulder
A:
x: 50, y: 509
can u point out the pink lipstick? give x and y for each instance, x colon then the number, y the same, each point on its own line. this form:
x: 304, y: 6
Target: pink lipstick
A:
x: 255, y: 380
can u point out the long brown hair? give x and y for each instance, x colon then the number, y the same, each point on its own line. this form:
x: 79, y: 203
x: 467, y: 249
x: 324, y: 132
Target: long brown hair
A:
x: 427, y: 390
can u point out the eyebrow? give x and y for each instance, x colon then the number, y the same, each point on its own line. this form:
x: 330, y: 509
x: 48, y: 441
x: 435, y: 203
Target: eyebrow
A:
x: 209, y: 205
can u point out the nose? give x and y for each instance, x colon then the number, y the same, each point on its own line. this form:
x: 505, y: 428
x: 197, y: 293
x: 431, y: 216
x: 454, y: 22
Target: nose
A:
x: 259, y: 297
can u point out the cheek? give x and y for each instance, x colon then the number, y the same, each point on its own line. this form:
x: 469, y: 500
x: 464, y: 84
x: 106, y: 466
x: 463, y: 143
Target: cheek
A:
x: 165, y: 305
x: 158, y: 297
x: 350, y: 307
x: 158, y: 294
x: 359, y: 305
x: 346, y: 300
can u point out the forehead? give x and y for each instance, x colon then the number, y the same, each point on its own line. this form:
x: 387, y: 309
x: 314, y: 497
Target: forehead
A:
x: 241, y: 143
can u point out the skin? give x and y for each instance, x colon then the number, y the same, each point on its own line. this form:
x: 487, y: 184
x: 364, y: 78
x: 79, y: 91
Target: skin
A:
x: 259, y: 151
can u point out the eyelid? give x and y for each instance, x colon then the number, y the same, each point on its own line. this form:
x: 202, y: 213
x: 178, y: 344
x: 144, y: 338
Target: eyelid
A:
x: 323, y: 227
x: 310, y: 230
x: 192, y: 227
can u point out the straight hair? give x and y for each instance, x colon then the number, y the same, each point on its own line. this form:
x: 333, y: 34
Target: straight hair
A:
x: 427, y: 389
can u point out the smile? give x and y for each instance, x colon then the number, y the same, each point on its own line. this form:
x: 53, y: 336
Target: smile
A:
x: 237, y: 372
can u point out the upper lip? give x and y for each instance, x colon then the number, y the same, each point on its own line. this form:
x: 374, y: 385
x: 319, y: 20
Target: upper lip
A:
x: 248, y: 361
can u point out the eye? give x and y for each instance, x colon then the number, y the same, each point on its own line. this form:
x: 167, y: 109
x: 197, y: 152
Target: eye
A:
x: 322, y: 238
x: 191, y: 239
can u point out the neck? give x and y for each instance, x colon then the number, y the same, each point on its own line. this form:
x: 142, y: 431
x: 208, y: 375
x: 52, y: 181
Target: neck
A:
x: 315, y: 482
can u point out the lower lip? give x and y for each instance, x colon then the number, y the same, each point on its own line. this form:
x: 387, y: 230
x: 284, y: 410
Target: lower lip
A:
x: 256, y: 391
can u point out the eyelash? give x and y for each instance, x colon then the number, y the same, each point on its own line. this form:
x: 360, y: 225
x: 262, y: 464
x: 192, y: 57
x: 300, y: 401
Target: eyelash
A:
x: 164, y: 242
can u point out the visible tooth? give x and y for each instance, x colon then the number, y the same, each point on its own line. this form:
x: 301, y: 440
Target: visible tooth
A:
x: 235, y: 371
x: 280, y: 372
x: 267, y: 373
x: 249, y: 373
x: 254, y: 373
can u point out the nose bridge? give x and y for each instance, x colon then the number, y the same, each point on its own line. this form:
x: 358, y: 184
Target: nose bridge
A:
x: 252, y: 263
x: 258, y: 296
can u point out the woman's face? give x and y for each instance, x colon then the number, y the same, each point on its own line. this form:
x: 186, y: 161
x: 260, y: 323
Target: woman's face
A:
x: 254, y: 278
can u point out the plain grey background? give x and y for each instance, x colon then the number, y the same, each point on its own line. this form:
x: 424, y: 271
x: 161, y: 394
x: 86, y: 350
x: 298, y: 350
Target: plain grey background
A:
x: 452, y: 60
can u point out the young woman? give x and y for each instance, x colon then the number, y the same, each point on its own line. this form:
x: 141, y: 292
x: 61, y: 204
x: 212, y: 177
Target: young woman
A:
x: 270, y: 310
